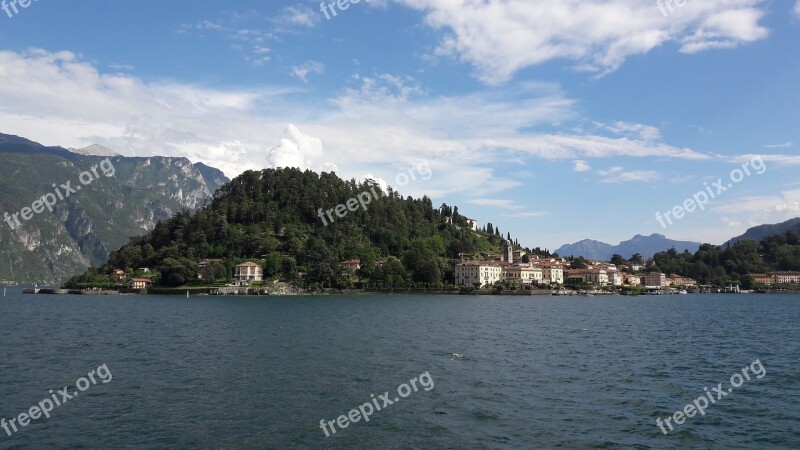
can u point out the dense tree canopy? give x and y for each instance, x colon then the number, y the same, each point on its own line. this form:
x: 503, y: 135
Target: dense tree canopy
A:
x: 733, y: 264
x: 273, y: 217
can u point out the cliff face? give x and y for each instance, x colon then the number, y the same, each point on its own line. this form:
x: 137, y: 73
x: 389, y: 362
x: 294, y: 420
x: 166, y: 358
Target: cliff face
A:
x: 126, y: 198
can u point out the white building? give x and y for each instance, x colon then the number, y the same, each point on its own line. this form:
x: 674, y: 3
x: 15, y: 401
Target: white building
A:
x: 786, y: 277
x: 478, y: 272
x: 615, y: 278
x: 247, y: 273
x: 590, y: 276
x: 523, y: 274
x: 553, y: 275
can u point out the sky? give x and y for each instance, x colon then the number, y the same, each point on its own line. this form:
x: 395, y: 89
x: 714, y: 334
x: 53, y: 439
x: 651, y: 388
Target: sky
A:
x: 556, y: 120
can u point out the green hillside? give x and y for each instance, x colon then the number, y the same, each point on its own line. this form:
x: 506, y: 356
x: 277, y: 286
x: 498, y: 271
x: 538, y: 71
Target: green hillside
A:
x: 273, y: 217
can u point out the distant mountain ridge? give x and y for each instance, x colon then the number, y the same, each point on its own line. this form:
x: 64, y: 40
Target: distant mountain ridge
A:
x: 764, y: 231
x: 646, y: 246
x: 588, y: 248
x: 94, y: 150
x: 86, y: 226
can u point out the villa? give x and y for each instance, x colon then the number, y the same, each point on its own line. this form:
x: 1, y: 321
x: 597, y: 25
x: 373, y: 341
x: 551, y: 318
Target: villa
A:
x: 247, y: 273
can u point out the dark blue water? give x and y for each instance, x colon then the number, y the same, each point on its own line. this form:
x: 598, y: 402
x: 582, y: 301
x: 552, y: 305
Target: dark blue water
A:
x: 542, y: 372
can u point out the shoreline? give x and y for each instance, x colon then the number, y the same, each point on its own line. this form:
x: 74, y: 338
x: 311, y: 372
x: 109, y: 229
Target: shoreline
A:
x: 250, y: 292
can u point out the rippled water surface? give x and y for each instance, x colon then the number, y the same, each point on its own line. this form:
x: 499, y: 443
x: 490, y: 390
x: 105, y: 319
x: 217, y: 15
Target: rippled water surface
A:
x: 540, y: 372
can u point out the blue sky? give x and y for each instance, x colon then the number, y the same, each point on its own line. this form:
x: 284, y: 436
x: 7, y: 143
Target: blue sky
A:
x: 557, y: 120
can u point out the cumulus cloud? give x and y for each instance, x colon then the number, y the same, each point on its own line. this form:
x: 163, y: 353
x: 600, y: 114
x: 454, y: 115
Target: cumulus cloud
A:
x: 502, y: 37
x: 797, y: 8
x: 384, y: 185
x: 299, y: 150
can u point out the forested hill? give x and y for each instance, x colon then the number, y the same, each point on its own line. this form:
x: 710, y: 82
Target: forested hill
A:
x: 272, y: 218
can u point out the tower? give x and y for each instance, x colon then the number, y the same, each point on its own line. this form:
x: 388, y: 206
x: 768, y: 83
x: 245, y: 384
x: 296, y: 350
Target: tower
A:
x: 508, y: 252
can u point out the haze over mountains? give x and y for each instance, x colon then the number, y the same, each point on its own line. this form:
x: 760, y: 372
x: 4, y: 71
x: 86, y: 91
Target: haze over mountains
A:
x: 87, y: 225
x: 646, y: 246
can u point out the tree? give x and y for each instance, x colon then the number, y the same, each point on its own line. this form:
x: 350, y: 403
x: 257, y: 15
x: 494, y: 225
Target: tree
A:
x: 321, y: 263
x: 579, y: 263
x: 175, y: 272
x: 213, y: 271
x: 637, y: 259
x: 391, y: 273
x: 423, y: 265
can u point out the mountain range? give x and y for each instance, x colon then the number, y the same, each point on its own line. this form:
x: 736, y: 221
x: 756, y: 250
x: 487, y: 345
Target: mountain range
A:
x: 646, y: 246
x: 98, y: 217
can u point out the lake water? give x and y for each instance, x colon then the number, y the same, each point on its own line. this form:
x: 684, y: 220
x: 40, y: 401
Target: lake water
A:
x: 539, y: 372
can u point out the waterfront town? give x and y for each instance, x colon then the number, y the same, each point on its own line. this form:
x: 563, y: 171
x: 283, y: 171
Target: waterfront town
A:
x: 514, y: 267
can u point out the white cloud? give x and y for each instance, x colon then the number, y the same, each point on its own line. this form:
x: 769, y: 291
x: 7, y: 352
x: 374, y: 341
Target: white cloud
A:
x: 757, y: 210
x: 634, y: 130
x: 250, y: 42
x: 502, y: 37
x: 382, y: 125
x: 309, y: 67
x: 726, y: 29
x: 299, y: 150
x: 797, y: 9
x: 378, y: 180
x: 581, y: 166
x: 777, y: 160
x: 620, y: 175
x: 784, y: 145
x: 299, y: 15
